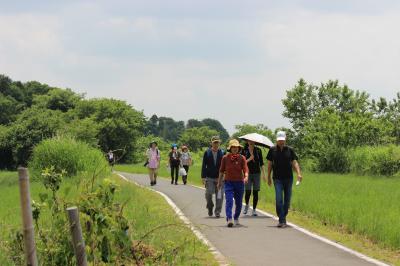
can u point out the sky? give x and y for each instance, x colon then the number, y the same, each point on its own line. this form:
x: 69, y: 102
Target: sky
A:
x: 228, y: 60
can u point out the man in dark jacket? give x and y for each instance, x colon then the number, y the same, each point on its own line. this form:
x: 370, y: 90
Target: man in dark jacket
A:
x: 209, y: 174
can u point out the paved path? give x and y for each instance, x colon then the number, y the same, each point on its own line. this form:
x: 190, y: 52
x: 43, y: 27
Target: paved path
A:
x: 257, y: 241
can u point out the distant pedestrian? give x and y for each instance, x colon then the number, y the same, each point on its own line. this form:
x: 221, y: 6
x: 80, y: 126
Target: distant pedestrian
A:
x: 281, y: 161
x: 186, y: 162
x: 153, y: 162
x: 174, y: 162
x: 255, y: 164
x: 111, y: 158
x: 234, y: 168
x: 209, y: 173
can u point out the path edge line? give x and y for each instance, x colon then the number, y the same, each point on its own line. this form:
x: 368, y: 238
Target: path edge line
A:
x: 221, y: 259
x: 320, y: 238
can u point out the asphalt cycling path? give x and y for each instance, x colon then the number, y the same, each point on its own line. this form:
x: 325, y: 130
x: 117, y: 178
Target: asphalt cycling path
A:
x: 257, y: 241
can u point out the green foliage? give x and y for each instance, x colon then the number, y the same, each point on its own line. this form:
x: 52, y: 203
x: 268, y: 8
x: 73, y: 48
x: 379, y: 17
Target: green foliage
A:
x: 57, y: 99
x: 212, y: 124
x: 165, y: 127
x: 197, y: 138
x: 119, y: 125
x: 142, y: 145
x: 66, y: 154
x: 85, y: 130
x: 375, y: 160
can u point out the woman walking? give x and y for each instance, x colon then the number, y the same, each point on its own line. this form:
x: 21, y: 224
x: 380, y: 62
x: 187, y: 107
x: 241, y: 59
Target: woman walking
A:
x: 234, y: 168
x: 186, y: 161
x: 174, y: 162
x: 153, y: 162
x: 255, y: 164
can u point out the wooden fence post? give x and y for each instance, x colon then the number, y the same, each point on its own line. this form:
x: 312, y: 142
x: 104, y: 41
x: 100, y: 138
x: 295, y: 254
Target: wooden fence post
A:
x: 27, y: 220
x: 77, y: 239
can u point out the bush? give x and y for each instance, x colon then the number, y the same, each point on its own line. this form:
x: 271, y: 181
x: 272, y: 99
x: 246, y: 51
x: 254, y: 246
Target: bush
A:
x: 64, y: 153
x: 378, y: 160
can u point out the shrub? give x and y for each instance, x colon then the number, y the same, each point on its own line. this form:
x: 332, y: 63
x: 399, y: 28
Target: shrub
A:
x: 64, y: 153
x: 378, y: 160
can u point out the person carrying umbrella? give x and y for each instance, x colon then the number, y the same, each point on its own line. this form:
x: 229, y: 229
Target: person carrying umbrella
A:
x: 234, y: 168
x: 281, y: 161
x: 255, y: 164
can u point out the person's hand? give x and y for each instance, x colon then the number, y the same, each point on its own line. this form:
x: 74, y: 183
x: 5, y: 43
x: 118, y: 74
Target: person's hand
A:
x: 219, y: 185
x: 251, y: 158
x: 203, y: 180
x: 246, y: 179
x: 299, y: 178
x: 269, y: 181
x: 264, y: 178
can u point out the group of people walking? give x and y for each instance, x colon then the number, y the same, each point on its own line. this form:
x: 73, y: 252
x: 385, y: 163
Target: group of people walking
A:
x: 235, y: 175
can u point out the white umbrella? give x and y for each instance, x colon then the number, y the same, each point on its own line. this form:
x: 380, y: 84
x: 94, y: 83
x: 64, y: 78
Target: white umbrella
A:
x: 258, y: 139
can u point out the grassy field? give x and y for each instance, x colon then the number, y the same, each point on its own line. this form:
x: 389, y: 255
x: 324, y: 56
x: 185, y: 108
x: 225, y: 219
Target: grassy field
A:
x: 360, y: 212
x: 145, y: 210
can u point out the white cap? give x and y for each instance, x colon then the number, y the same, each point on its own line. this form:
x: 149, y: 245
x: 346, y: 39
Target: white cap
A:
x: 281, y: 135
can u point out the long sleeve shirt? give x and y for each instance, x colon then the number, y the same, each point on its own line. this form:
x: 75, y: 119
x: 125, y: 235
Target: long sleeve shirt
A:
x: 234, y: 167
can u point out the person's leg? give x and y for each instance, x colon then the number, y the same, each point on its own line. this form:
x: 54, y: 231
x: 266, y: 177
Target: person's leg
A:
x: 255, y: 199
x: 247, y: 196
x: 155, y: 175
x: 172, y: 173
x: 187, y: 172
x: 219, y: 199
x: 209, y: 192
x: 287, y: 191
x: 279, y: 199
x: 151, y: 175
x: 176, y: 174
x: 256, y: 188
x: 238, y: 195
x: 228, y: 187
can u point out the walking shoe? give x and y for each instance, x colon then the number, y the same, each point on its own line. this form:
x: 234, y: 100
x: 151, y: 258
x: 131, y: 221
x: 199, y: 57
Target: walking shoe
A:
x: 176, y: 183
x: 284, y: 225
x: 237, y: 222
x: 151, y: 183
x: 254, y: 213
x: 172, y: 182
x: 246, y: 209
x: 280, y: 225
x: 217, y: 215
x: 230, y: 224
x: 155, y: 182
x: 210, y: 212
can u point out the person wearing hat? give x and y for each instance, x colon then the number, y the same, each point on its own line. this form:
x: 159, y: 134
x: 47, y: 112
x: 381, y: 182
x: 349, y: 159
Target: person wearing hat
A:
x: 234, y: 169
x: 209, y: 173
x: 174, y: 162
x: 281, y: 161
x: 153, y: 162
x: 186, y: 161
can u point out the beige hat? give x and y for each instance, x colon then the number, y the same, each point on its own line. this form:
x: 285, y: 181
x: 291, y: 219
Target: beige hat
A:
x: 234, y: 143
x: 215, y: 139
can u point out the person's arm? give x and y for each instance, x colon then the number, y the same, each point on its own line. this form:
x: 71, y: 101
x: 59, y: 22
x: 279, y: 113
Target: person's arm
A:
x: 269, y: 173
x: 204, y: 168
x: 221, y: 173
x: 245, y: 170
x: 260, y: 157
x: 296, y: 167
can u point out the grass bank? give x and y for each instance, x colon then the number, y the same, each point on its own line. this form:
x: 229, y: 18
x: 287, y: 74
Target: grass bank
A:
x: 361, y: 212
x: 151, y: 221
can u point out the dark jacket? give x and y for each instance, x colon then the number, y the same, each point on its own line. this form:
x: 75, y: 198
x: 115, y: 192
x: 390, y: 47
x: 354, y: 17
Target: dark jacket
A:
x: 209, y: 168
x: 254, y: 165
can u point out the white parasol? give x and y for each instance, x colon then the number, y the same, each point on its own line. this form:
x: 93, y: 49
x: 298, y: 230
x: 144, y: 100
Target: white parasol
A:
x: 258, y: 139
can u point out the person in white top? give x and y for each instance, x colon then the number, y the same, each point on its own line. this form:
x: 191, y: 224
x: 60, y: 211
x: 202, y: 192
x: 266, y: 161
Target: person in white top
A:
x: 186, y: 161
x: 153, y: 162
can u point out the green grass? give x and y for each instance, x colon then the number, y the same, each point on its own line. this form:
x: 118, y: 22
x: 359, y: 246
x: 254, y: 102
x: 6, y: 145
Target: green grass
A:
x: 361, y: 212
x: 145, y: 210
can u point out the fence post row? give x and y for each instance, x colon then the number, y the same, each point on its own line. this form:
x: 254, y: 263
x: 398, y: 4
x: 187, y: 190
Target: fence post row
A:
x: 27, y: 220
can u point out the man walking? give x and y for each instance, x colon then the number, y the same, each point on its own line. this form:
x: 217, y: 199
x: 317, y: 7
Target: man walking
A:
x: 209, y: 174
x: 281, y: 160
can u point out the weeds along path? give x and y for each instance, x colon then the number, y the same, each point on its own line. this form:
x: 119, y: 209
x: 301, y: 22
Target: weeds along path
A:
x: 257, y: 241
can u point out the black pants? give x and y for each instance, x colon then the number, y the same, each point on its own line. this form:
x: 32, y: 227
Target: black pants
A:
x: 174, y: 173
x: 184, y: 178
x: 255, y: 198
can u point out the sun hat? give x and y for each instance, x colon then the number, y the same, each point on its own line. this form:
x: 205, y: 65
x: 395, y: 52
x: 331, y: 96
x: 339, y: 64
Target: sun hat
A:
x: 234, y: 143
x: 215, y: 139
x: 281, y: 135
x: 184, y: 147
x: 153, y: 142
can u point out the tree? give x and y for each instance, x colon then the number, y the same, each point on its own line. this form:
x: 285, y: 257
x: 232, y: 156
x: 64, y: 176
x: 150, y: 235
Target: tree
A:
x: 215, y: 124
x: 245, y: 128
x: 197, y: 137
x: 119, y: 124
x: 57, y: 99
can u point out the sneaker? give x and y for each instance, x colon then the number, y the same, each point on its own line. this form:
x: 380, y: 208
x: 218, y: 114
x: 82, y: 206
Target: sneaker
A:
x: 284, y: 225
x: 151, y: 183
x: 210, y: 213
x: 246, y: 209
x: 155, y: 182
x: 172, y: 182
x: 176, y: 183
x: 217, y: 215
x: 230, y: 224
x: 280, y: 225
x: 237, y: 222
x: 254, y: 213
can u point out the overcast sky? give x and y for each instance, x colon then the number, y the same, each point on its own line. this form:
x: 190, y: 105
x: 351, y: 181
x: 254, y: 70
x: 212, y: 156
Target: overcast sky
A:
x: 229, y: 60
